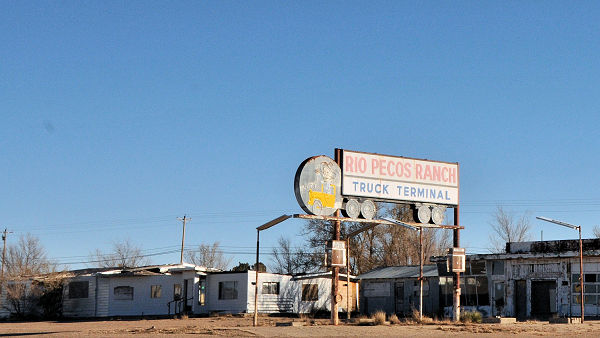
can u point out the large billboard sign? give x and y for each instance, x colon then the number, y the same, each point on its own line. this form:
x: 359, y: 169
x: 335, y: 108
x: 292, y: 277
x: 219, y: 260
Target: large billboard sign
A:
x: 399, y: 178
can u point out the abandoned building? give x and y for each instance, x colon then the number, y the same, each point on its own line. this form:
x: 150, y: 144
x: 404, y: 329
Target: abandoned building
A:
x: 395, y: 289
x: 540, y: 279
x: 530, y: 280
x: 163, y: 290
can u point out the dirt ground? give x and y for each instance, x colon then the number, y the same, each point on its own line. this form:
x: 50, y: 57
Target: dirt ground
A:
x: 242, y: 327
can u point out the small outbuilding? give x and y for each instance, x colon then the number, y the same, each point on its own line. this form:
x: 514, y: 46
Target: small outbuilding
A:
x: 396, y: 289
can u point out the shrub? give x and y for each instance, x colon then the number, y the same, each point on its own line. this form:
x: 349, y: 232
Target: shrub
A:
x: 414, y: 315
x: 394, y: 319
x: 379, y: 317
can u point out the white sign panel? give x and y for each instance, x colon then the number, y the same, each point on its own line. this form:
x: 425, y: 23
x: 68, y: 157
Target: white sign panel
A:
x: 399, y: 178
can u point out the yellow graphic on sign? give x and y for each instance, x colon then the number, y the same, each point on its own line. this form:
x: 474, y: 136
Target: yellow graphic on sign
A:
x: 321, y: 199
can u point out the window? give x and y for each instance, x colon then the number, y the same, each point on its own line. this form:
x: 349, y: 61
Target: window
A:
x: 155, y: 291
x: 478, y: 268
x: 177, y: 291
x: 310, y: 292
x: 228, y: 290
x: 202, y: 291
x: 474, y: 291
x: 591, y: 288
x: 123, y: 293
x: 270, y: 288
x: 79, y: 289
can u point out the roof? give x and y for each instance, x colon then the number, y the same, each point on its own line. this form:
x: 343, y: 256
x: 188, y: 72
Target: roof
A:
x: 410, y: 271
x: 155, y: 270
x: 326, y: 274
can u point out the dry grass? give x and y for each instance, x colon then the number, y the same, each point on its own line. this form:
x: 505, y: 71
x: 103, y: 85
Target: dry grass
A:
x: 416, y: 318
x: 470, y: 317
x: 379, y: 318
x: 394, y: 319
x: 307, y: 319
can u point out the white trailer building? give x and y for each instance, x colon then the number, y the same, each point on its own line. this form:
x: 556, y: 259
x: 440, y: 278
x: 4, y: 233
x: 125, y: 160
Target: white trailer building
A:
x: 163, y: 290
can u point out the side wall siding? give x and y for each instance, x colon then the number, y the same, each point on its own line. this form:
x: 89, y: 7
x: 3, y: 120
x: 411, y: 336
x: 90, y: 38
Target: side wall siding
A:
x: 142, y: 304
x: 80, y: 307
x: 238, y: 305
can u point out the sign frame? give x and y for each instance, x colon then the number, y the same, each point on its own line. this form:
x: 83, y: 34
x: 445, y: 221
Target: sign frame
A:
x: 399, y: 179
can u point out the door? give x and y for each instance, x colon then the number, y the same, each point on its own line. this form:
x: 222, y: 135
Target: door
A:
x: 399, y: 295
x: 498, y: 299
x: 187, y: 294
x: 520, y: 299
x: 543, y: 299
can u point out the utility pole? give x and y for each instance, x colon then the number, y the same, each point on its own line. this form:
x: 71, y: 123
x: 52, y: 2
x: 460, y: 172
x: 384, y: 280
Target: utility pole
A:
x: 184, y: 220
x: 4, y: 233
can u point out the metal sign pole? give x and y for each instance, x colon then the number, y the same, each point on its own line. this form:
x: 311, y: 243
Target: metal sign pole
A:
x: 255, y: 321
x: 581, y: 272
x: 456, y: 301
x: 335, y: 270
x: 421, y: 274
x: 348, y: 308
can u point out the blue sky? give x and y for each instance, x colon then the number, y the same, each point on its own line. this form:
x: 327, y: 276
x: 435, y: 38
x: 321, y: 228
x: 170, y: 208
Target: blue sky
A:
x: 117, y: 117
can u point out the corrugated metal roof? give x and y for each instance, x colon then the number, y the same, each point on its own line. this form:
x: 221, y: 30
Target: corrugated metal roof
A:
x: 400, y: 272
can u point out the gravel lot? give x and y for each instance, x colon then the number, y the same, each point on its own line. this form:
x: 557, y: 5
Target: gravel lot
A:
x: 242, y: 327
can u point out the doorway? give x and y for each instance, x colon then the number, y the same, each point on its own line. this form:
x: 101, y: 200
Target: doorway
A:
x: 520, y: 299
x: 187, y: 295
x: 399, y: 293
x: 543, y: 299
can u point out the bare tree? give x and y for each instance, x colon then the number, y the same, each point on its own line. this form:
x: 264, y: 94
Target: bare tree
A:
x: 25, y: 261
x: 508, y: 228
x: 596, y: 231
x: 124, y: 255
x: 383, y: 245
x: 289, y: 260
x: 207, y: 255
x: 27, y: 258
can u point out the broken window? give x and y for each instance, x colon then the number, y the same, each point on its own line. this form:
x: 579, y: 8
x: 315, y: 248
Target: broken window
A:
x: 176, y: 291
x: 79, y: 289
x: 123, y: 293
x: 477, y: 267
x: 270, y: 288
x: 155, y: 291
x: 474, y: 291
x: 228, y: 290
x: 310, y: 292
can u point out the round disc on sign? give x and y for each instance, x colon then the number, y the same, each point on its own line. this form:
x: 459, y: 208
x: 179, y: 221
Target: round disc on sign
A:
x: 317, y: 186
x: 437, y: 215
x: 424, y: 214
x: 352, y: 208
x: 368, y: 209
